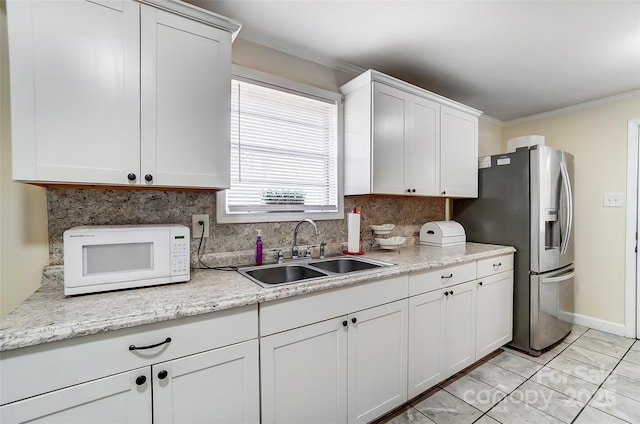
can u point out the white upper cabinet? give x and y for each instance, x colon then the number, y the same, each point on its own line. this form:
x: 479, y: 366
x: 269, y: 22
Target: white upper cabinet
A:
x: 186, y: 97
x: 458, y: 153
x: 119, y: 93
x: 400, y: 139
x: 75, y: 79
x: 405, y: 130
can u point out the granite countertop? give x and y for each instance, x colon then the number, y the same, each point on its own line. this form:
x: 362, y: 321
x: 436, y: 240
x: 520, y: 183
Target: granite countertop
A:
x: 48, y: 315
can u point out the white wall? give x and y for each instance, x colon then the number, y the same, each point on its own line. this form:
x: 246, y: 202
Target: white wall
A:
x: 489, y: 136
x: 24, y: 248
x: 597, y: 137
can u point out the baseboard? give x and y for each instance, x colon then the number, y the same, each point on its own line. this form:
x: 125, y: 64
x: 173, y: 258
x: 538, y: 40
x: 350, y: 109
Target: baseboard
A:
x: 595, y: 323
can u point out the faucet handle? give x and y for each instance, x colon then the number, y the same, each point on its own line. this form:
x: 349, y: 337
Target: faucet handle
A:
x: 279, y: 254
x: 307, y: 252
x: 322, y: 246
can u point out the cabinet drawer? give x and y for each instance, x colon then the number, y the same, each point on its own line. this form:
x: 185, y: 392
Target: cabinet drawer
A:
x: 442, y: 277
x: 285, y: 314
x: 50, y: 366
x: 495, y: 265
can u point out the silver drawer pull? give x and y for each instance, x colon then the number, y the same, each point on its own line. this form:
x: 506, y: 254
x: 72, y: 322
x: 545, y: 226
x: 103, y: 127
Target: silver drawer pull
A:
x: 447, y: 276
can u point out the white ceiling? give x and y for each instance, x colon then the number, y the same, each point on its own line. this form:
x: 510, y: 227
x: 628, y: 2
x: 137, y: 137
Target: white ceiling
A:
x: 509, y: 59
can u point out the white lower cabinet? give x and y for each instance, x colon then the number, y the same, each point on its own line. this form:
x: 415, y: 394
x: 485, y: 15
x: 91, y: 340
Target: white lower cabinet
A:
x: 204, y: 369
x: 121, y: 398
x: 219, y: 386
x: 456, y: 319
x: 442, y: 335
x: 426, y: 341
x: 459, y: 327
x: 304, y: 374
x: 494, y: 312
x: 347, y: 369
x: 377, y: 361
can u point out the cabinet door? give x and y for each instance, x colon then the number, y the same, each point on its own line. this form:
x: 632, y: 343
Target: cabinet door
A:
x: 494, y: 322
x: 423, y: 147
x: 75, y: 108
x: 304, y: 374
x: 458, y: 153
x: 426, y: 343
x: 186, y: 92
x: 115, y: 399
x: 390, y: 132
x: 377, y: 360
x: 218, y: 386
x: 460, y: 328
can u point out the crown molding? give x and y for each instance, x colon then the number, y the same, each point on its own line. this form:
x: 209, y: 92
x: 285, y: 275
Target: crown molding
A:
x: 197, y: 13
x: 568, y: 109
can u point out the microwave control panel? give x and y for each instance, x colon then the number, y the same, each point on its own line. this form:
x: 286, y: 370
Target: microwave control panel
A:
x: 180, y: 255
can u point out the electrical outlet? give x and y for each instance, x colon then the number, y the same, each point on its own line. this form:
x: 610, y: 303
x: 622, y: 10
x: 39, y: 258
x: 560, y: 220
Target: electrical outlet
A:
x: 196, y: 228
x: 613, y: 200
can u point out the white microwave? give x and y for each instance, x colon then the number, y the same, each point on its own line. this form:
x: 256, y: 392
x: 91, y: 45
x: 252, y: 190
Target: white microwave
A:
x: 114, y: 257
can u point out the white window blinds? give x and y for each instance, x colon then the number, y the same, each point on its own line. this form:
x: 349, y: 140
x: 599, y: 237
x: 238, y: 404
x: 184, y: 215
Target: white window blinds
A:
x: 284, y: 151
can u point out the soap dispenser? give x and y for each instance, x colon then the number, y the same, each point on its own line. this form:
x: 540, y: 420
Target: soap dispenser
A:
x: 259, y: 248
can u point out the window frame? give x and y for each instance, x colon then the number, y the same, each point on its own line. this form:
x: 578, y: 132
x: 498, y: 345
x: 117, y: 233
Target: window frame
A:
x: 295, y: 87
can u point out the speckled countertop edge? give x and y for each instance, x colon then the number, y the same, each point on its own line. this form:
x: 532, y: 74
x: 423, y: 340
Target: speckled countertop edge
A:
x: 48, y: 315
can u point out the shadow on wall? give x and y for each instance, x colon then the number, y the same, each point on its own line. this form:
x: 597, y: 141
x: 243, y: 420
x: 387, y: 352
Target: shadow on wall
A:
x: 69, y: 207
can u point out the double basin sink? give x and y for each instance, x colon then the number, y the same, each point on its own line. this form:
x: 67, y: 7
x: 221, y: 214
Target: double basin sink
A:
x: 304, y: 270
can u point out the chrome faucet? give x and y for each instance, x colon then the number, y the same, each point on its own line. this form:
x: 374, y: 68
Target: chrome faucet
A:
x: 294, y: 249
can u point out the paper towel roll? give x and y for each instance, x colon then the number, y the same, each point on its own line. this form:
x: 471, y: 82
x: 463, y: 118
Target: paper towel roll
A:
x: 353, y: 238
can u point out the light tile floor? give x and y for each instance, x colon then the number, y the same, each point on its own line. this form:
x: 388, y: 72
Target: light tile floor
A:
x: 591, y: 377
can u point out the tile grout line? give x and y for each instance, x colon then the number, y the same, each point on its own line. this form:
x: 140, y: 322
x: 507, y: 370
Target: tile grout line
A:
x: 550, y: 388
x: 600, y: 387
x: 601, y: 384
x: 509, y: 394
x: 464, y: 373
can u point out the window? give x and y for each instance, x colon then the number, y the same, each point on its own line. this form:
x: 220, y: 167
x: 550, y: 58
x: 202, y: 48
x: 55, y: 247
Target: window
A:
x: 285, y: 144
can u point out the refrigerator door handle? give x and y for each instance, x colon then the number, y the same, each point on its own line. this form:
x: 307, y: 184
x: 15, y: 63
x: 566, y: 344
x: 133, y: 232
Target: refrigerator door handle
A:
x: 564, y: 277
x: 567, y: 184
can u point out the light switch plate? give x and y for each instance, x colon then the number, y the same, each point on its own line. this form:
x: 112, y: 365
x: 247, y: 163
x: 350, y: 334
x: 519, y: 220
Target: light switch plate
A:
x: 613, y: 200
x: 196, y: 228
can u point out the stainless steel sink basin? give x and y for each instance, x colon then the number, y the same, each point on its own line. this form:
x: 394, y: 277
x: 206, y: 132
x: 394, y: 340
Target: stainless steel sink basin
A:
x: 284, y: 274
x: 345, y: 265
x: 304, y: 270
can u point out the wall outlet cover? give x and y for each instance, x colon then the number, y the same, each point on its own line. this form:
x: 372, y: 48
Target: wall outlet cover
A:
x: 196, y: 228
x: 613, y: 200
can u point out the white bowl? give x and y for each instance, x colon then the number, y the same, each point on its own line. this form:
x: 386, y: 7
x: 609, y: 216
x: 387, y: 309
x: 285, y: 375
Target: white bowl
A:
x: 382, y: 229
x: 391, y: 242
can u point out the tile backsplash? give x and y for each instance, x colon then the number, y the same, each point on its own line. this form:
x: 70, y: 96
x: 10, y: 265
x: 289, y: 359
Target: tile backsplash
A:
x: 69, y: 207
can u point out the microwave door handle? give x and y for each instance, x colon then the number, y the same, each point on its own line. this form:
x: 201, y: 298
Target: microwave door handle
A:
x: 564, y: 277
x: 569, y: 196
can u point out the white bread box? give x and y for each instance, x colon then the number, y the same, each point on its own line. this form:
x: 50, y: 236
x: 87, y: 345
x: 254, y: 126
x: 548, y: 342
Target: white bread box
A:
x: 442, y: 233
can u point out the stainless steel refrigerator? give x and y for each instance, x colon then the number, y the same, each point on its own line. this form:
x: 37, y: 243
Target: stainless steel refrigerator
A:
x: 525, y: 200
